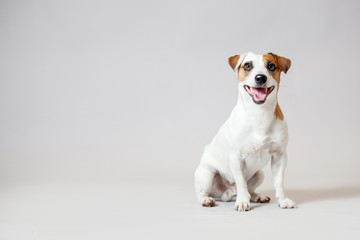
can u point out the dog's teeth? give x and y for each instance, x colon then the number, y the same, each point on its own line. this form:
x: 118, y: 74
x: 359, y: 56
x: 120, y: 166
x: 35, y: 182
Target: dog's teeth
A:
x: 251, y: 89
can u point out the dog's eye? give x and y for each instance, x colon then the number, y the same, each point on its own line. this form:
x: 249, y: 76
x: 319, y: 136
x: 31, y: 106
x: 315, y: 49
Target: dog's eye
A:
x: 247, y: 66
x: 271, y: 67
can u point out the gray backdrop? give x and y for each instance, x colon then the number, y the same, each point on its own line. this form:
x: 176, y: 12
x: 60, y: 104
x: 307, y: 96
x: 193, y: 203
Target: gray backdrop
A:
x: 117, y: 90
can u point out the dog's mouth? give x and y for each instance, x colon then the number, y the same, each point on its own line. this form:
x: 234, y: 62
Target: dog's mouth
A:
x: 258, y: 94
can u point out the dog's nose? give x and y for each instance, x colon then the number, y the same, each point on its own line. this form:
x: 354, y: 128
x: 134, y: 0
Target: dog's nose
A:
x: 260, y: 79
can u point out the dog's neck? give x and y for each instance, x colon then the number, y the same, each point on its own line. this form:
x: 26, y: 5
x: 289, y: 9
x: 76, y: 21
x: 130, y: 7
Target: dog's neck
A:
x: 262, y: 114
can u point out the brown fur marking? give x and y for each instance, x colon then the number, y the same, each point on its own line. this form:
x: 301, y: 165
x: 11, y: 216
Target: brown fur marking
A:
x: 242, y: 73
x: 278, y: 113
x: 233, y: 61
x: 283, y: 63
x: 267, y: 58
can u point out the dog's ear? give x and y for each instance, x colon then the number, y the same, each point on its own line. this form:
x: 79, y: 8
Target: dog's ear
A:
x: 233, y: 61
x: 236, y: 60
x: 283, y: 63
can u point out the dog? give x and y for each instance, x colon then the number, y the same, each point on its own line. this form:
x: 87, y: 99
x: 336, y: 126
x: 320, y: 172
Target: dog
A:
x: 256, y: 133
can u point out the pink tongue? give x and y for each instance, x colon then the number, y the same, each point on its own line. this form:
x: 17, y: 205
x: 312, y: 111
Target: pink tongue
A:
x: 260, y: 93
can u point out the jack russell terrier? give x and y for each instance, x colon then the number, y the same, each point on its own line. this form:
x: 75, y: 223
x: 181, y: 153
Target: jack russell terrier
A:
x: 254, y: 134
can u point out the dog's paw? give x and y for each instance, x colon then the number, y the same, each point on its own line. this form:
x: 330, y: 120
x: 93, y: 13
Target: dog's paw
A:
x: 242, y: 206
x: 208, y: 202
x: 259, y: 198
x: 286, y: 203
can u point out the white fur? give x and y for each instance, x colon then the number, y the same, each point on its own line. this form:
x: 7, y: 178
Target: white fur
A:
x: 250, y: 138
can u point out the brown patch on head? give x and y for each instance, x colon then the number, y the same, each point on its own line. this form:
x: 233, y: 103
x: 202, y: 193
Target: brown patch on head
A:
x: 233, y: 61
x: 242, y: 75
x: 283, y: 63
x: 278, y: 113
x: 269, y: 59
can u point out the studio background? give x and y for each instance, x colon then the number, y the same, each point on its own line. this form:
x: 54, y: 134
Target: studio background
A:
x: 106, y: 107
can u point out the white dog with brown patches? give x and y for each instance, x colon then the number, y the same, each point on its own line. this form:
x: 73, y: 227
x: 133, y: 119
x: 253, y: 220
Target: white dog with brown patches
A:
x: 254, y: 134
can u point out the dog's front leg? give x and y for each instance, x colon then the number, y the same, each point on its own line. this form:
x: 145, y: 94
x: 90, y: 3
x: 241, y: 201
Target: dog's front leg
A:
x: 278, y: 164
x: 243, y: 197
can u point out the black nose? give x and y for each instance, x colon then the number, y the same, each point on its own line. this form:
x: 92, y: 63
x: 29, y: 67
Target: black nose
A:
x: 260, y: 79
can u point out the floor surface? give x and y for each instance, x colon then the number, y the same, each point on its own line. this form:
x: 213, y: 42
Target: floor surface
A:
x: 153, y: 210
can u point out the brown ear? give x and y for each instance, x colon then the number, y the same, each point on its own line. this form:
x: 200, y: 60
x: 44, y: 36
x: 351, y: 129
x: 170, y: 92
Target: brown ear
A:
x: 283, y: 63
x: 233, y: 61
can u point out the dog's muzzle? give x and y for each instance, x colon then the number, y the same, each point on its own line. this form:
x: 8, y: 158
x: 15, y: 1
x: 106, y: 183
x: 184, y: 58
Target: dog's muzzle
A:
x: 258, y: 94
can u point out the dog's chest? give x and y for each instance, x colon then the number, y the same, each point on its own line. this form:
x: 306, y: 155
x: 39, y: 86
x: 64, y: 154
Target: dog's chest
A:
x: 257, y: 149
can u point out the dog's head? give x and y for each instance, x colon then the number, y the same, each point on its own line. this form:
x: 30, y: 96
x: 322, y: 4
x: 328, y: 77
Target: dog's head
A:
x: 259, y: 75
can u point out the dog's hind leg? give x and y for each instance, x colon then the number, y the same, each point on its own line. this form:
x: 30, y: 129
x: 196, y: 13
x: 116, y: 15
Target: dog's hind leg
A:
x: 204, y: 178
x: 253, y: 183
